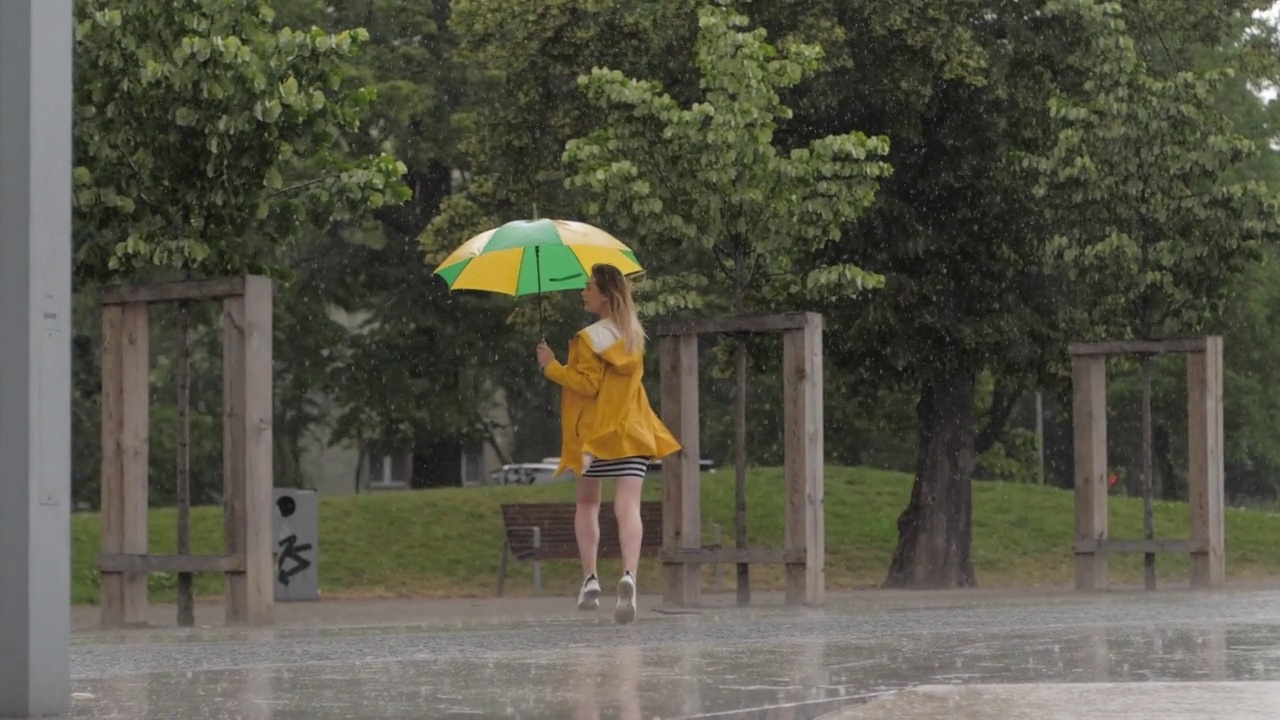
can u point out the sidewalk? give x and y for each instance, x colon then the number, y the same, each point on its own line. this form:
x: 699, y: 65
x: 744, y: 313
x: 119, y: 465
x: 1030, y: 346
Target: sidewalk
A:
x: 487, y: 657
x: 382, y: 612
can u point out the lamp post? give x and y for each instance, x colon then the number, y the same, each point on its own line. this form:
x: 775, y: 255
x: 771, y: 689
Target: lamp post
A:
x: 36, y: 39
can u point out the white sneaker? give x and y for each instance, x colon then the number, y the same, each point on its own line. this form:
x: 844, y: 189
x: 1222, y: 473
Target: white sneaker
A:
x: 625, y: 612
x: 589, y: 594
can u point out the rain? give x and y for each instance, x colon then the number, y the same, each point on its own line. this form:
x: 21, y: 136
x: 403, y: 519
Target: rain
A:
x: 648, y: 360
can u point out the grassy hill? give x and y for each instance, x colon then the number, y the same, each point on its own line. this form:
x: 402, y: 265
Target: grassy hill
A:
x: 441, y: 543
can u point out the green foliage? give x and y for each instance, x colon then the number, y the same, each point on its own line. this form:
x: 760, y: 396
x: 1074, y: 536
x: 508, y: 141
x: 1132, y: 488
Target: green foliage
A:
x: 206, y: 137
x: 1012, y: 459
x: 409, y: 61
x: 1251, y: 376
x: 491, y: 103
x: 1139, y: 187
x: 957, y: 86
x: 703, y: 185
x: 209, y: 141
x: 1213, y: 57
x: 522, y: 106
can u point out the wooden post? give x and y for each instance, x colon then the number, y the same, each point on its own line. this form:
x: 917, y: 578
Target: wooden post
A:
x: 125, y: 451
x: 1089, y: 421
x: 1205, y: 460
x: 1148, y: 481
x: 681, y: 472
x: 805, y: 464
x: 186, y: 589
x: 246, y: 450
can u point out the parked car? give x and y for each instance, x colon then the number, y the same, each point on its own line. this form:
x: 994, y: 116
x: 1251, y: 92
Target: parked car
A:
x: 541, y: 473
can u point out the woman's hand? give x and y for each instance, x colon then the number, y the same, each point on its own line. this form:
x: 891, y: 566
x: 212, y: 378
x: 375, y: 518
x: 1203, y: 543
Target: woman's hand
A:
x: 545, y: 355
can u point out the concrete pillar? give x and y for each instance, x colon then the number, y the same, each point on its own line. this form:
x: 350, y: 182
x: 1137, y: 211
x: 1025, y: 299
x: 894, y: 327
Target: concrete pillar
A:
x: 35, y: 357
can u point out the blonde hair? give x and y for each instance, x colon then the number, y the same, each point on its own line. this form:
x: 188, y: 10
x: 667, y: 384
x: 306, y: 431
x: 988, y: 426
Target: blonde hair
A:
x: 622, y: 308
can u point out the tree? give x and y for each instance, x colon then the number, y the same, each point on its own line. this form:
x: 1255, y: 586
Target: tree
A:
x: 1142, y: 187
x: 206, y: 145
x: 522, y: 103
x: 1139, y: 186
x: 189, y: 124
x: 957, y: 86
x: 704, y: 186
x: 381, y: 384
x: 514, y: 105
x: 962, y: 90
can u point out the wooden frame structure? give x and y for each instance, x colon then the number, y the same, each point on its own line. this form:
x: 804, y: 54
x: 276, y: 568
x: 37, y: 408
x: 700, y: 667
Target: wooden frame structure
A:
x: 247, y: 410
x: 1207, y: 544
x: 804, y: 553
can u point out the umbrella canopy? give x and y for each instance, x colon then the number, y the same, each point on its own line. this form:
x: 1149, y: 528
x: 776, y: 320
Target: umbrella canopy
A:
x: 526, y: 257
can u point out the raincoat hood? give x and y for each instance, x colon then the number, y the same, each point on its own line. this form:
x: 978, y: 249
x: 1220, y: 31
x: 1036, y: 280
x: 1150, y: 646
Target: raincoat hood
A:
x: 606, y: 341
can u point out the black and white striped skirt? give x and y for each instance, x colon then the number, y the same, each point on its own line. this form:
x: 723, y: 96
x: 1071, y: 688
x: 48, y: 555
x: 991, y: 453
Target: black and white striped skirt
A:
x: 622, y: 467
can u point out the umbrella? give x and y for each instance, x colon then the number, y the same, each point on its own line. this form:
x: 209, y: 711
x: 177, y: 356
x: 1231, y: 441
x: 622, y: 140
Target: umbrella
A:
x: 527, y: 257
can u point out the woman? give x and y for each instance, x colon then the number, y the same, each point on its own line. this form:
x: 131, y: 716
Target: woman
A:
x: 608, y: 428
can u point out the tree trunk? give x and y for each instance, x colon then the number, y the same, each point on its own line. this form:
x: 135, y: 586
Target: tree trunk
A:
x: 740, y: 466
x: 186, y: 600
x: 935, y: 532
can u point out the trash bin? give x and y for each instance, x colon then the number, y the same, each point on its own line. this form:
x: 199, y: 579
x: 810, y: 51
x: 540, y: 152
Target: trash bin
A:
x: 296, y: 527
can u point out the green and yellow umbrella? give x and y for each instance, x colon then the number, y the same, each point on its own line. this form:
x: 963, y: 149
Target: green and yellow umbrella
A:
x: 527, y: 257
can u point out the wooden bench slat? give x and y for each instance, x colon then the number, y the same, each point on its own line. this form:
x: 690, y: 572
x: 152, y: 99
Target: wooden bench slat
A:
x: 130, y: 563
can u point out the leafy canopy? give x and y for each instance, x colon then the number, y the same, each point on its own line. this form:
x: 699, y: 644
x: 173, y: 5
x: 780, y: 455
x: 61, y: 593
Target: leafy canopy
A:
x: 1142, y: 186
x: 704, y: 185
x: 207, y: 138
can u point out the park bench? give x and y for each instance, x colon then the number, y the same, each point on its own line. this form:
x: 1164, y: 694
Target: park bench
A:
x: 544, y: 531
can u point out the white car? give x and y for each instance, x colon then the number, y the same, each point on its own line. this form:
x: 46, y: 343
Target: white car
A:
x: 541, y: 473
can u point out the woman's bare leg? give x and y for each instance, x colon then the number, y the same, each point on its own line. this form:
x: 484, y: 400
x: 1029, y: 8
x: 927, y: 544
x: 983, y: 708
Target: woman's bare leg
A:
x: 586, y: 524
x: 626, y: 505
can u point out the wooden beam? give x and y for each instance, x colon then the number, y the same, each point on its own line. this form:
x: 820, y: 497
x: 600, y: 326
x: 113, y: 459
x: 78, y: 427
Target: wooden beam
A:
x: 219, y: 289
x: 1089, y: 423
x: 1205, y: 476
x: 137, y: 563
x: 804, y: 463
x: 125, y: 410
x: 733, y: 556
x: 1136, y: 347
x: 246, y: 450
x: 681, y: 473
x: 733, y: 325
x: 1140, y: 547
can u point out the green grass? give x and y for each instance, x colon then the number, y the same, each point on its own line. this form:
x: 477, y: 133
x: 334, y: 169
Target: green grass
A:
x: 446, y: 543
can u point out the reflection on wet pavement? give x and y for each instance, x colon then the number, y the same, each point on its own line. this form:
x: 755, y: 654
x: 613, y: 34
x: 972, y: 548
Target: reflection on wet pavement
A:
x: 742, y: 664
x: 1166, y: 701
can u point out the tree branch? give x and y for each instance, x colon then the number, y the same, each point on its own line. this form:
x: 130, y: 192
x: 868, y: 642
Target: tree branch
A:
x: 721, y: 259
x: 138, y: 173
x: 301, y: 186
x: 1003, y: 400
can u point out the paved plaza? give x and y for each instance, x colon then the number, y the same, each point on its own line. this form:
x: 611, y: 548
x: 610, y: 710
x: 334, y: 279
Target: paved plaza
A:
x: 956, y: 655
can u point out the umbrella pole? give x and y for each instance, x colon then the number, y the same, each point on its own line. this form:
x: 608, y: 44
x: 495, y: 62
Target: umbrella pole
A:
x: 537, y: 263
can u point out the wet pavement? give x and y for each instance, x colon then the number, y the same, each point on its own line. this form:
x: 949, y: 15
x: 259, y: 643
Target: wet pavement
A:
x: 864, y: 657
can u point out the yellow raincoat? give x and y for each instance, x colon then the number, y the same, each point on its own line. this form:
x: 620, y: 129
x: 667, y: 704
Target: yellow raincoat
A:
x: 604, y: 410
